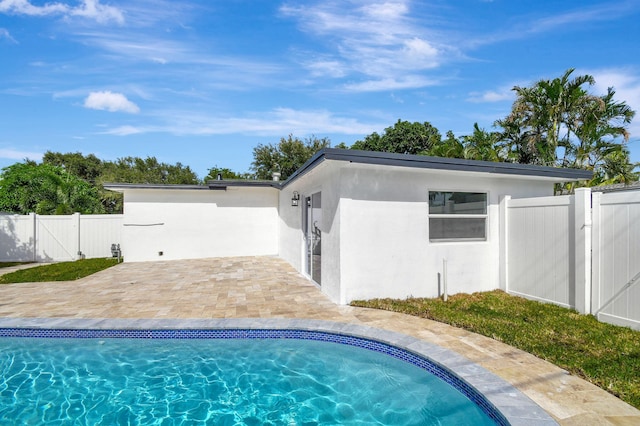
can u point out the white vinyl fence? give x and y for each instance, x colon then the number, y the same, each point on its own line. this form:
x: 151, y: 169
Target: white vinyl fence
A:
x: 578, y: 251
x: 37, y: 238
x: 616, y: 258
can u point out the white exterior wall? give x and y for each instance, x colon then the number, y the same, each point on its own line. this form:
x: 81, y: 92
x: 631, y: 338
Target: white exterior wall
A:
x: 187, y: 224
x: 385, y: 244
x: 375, y: 239
x: 324, y: 179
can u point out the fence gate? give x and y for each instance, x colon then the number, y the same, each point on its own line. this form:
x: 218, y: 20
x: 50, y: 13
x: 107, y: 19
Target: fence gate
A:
x: 616, y: 257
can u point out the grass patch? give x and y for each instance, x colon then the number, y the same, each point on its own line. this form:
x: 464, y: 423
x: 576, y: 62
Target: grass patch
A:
x: 603, y: 354
x: 63, y: 271
x: 9, y: 264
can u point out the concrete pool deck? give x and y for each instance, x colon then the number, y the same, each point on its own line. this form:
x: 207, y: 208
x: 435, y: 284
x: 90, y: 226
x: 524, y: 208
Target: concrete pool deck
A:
x: 268, y: 288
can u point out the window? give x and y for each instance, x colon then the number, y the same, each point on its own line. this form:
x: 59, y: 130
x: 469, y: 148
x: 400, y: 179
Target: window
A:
x: 457, y: 216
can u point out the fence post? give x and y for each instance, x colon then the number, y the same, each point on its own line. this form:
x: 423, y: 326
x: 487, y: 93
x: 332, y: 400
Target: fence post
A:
x: 582, y: 224
x: 504, y: 242
x: 34, y: 235
x: 596, y: 253
x: 76, y: 223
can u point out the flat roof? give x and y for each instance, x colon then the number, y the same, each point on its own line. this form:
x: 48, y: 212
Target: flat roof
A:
x: 382, y: 159
x: 438, y: 163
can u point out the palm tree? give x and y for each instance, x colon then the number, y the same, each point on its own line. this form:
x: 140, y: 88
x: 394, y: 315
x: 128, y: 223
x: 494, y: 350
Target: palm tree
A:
x: 483, y: 145
x: 546, y: 110
x: 559, y: 123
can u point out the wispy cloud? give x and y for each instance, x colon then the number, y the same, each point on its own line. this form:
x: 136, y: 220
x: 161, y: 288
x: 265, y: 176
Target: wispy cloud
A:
x: 626, y: 83
x: 5, y: 34
x: 275, y: 122
x: 379, y: 40
x: 504, y: 93
x: 19, y: 155
x: 109, y: 101
x: 571, y: 19
x: 91, y: 9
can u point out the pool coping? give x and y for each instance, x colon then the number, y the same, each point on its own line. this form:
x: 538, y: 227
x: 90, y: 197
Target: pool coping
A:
x: 514, y: 405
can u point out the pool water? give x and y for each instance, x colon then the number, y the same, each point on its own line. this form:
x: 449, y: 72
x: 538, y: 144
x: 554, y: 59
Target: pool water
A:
x: 219, y: 382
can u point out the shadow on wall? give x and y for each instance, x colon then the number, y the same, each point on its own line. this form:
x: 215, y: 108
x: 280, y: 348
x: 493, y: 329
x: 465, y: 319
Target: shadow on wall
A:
x: 12, y: 250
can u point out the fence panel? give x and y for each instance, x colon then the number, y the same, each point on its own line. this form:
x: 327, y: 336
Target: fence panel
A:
x: 17, y: 238
x: 541, y: 249
x: 57, y: 238
x: 616, y: 258
x: 98, y: 232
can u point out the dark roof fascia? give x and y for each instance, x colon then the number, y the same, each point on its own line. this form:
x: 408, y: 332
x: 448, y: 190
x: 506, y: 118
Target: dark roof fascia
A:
x: 246, y: 183
x: 437, y: 163
x: 211, y: 185
x: 122, y: 186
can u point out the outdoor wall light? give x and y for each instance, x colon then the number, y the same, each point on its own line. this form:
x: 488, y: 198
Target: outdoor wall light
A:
x: 295, y: 199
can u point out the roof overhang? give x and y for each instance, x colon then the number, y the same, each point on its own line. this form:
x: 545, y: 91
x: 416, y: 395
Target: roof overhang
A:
x: 440, y: 163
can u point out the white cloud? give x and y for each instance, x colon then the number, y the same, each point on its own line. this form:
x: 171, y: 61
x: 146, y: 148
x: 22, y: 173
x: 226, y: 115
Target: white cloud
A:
x: 92, y: 9
x: 626, y: 83
x: 4, y: 33
x: 14, y: 154
x: 275, y: 122
x: 380, y: 40
x: 110, y: 101
x: 124, y: 131
x: 405, y: 82
x: 99, y: 12
x: 502, y: 94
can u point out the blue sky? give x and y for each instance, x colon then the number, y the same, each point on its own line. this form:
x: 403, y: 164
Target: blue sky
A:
x: 203, y: 82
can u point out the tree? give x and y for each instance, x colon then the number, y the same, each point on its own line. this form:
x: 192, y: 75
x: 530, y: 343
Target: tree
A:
x: 225, y: 173
x: 88, y: 168
x: 46, y: 189
x: 450, y: 147
x: 148, y: 170
x: 483, y: 145
x: 286, y: 157
x: 559, y: 123
x: 403, y: 138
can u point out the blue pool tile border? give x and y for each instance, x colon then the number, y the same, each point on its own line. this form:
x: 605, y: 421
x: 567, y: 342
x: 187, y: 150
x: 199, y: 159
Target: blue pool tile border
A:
x: 499, y: 400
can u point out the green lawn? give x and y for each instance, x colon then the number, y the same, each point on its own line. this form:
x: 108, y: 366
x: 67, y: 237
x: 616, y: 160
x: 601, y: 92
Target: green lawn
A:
x: 604, y: 354
x: 63, y: 271
x: 8, y: 264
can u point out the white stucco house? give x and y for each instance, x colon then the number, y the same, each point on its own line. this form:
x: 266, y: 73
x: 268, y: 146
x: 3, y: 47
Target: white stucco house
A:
x: 358, y: 224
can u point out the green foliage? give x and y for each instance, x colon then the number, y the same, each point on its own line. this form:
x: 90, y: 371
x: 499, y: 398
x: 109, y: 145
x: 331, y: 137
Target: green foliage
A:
x: 88, y: 168
x: 286, y: 157
x: 63, y: 271
x: 559, y: 123
x: 225, y: 173
x: 45, y: 189
x: 147, y: 170
x: 403, y: 138
x: 604, y: 354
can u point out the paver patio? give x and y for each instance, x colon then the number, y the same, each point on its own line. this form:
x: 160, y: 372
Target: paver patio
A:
x: 268, y: 287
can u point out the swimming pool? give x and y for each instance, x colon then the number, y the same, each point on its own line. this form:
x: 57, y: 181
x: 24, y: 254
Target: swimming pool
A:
x: 146, y: 376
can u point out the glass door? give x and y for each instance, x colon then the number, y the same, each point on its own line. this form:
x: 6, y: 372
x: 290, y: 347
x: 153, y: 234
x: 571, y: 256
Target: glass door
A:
x: 312, y: 217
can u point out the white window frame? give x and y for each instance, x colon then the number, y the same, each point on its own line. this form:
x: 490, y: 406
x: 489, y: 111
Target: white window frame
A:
x: 484, y: 216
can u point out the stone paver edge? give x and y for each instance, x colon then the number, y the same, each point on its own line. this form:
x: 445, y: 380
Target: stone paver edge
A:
x: 518, y: 408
